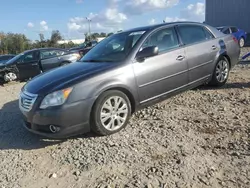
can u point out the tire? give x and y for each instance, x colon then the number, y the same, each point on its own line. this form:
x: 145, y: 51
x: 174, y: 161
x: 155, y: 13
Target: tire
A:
x: 242, y: 42
x: 109, y: 123
x: 10, y: 76
x: 221, y: 72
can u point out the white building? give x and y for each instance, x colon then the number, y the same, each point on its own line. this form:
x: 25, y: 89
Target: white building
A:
x: 77, y: 41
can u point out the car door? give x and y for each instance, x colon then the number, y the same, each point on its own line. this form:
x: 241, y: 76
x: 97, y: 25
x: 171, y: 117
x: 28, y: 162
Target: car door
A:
x: 201, y: 48
x: 28, y: 65
x: 164, y: 73
x: 51, y: 59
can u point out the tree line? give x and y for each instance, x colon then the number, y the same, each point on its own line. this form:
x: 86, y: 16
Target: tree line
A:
x: 15, y: 43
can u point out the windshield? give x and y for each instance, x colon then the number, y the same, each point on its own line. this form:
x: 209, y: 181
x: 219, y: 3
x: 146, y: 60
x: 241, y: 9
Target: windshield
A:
x: 220, y: 28
x: 14, y: 59
x: 114, y: 48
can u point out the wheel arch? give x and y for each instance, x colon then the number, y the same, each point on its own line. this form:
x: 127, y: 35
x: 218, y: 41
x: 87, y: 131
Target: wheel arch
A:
x: 120, y: 88
x: 223, y: 53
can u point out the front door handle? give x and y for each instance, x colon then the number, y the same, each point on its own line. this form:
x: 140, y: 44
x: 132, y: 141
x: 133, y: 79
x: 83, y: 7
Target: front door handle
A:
x: 180, y: 58
x: 34, y: 64
x: 214, y: 47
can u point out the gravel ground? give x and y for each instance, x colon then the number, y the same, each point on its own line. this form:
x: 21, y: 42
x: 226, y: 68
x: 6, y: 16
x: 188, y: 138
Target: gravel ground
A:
x: 200, y: 138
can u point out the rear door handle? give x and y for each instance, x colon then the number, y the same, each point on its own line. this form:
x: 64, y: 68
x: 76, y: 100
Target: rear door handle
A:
x: 34, y: 64
x: 214, y: 47
x: 180, y: 58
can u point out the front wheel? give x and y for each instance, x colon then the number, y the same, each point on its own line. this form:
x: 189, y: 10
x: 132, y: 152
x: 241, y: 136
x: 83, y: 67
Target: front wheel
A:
x: 221, y: 72
x: 111, y: 113
x: 10, y: 76
x: 242, y: 42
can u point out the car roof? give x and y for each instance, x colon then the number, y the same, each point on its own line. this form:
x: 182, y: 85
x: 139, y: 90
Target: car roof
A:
x: 225, y: 26
x: 152, y: 27
x: 44, y: 49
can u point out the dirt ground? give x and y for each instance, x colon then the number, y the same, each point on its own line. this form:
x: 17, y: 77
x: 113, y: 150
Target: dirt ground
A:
x: 200, y: 138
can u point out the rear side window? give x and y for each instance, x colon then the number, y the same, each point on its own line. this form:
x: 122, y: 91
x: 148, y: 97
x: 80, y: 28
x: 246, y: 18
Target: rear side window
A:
x: 234, y: 29
x: 45, y: 54
x: 209, y: 35
x: 191, y: 34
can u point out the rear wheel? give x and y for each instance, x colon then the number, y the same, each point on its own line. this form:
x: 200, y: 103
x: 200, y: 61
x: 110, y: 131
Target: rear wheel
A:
x: 221, y: 72
x: 242, y: 42
x: 111, y: 113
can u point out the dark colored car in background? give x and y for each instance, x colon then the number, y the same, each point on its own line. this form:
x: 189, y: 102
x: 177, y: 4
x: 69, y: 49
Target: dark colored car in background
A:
x: 240, y: 35
x: 84, y: 47
x: 5, y: 58
x: 124, y: 73
x: 33, y: 62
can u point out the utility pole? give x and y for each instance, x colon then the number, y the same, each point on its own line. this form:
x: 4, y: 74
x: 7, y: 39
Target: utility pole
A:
x: 89, y: 22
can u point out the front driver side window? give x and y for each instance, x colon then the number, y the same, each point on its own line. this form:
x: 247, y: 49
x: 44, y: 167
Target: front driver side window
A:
x: 164, y: 39
x: 29, y: 57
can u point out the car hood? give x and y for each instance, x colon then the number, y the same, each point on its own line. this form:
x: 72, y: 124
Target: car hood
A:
x: 7, y: 64
x: 65, y: 76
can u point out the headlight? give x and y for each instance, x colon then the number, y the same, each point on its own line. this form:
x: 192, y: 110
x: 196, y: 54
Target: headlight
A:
x: 56, y: 98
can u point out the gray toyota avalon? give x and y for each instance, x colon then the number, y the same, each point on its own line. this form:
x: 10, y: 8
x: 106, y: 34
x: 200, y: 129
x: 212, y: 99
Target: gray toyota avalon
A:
x: 124, y: 73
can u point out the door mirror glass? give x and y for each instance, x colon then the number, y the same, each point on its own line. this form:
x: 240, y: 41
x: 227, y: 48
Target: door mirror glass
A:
x: 147, y: 52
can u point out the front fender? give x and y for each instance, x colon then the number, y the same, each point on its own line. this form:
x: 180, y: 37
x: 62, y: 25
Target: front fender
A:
x: 122, y: 79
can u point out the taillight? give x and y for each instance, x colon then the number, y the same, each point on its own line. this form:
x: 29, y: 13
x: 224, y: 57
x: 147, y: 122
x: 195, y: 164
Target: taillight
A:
x: 235, y: 39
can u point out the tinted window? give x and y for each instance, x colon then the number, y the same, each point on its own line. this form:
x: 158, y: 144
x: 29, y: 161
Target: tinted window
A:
x: 114, y: 48
x: 45, y: 54
x: 191, y: 34
x: 226, y: 31
x: 220, y: 28
x: 234, y: 29
x: 31, y: 56
x: 209, y: 35
x: 165, y: 39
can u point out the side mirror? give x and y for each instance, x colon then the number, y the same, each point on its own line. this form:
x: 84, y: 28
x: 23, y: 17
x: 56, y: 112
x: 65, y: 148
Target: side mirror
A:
x: 147, y: 52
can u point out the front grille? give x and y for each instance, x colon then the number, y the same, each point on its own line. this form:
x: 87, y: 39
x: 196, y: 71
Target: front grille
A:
x: 26, y: 101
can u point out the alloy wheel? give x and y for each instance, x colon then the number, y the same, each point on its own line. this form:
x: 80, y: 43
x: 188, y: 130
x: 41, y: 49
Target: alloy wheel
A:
x: 222, y: 71
x: 114, y: 113
x: 242, y: 42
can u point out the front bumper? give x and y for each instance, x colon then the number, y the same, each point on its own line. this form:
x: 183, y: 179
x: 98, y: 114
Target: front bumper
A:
x: 70, y: 119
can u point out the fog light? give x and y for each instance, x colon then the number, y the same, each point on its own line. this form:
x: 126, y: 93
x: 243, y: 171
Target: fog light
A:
x: 54, y: 129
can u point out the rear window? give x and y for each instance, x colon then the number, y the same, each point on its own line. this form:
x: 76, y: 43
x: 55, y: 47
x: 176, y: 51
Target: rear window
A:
x: 191, y: 34
x: 227, y: 31
x: 234, y: 29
